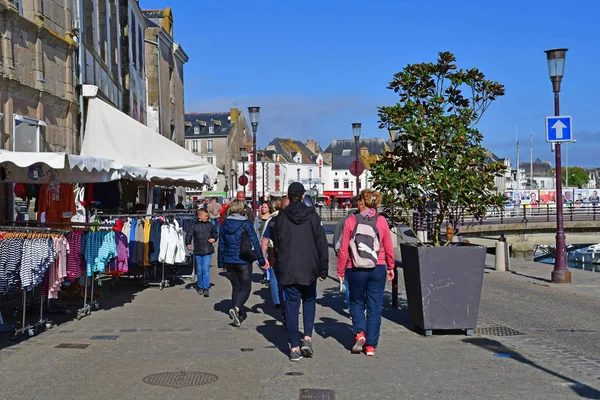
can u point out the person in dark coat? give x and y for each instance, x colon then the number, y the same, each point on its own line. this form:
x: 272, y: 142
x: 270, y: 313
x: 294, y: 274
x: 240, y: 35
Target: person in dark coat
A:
x: 239, y: 271
x: 301, y: 258
x: 203, y: 235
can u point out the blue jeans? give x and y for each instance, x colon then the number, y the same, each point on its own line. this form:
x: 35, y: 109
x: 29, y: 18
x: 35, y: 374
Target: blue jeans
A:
x: 215, y: 222
x: 366, y: 290
x: 292, y: 295
x: 203, y: 271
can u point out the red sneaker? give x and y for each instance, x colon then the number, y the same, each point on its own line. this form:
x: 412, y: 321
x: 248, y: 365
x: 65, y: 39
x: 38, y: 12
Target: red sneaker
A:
x: 359, y: 343
x: 370, y: 350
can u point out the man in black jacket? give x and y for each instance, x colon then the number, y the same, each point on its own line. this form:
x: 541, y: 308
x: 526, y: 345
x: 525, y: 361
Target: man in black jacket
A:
x: 301, y: 258
x: 203, y: 234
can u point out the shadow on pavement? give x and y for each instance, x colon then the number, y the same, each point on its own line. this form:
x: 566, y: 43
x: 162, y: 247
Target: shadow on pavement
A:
x: 494, y: 346
x: 108, y: 295
x: 275, y: 334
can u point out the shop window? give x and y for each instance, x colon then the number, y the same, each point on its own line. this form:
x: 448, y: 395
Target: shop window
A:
x: 336, y: 184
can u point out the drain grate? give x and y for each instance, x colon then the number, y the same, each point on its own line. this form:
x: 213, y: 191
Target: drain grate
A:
x: 180, y: 379
x: 72, y: 346
x: 104, y: 337
x: 316, y: 394
x: 497, y: 330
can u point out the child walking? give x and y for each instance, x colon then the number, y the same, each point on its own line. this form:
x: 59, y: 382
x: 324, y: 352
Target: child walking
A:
x: 203, y: 235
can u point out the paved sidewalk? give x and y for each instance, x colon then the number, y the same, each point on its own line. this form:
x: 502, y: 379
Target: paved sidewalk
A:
x: 175, y: 330
x: 585, y: 283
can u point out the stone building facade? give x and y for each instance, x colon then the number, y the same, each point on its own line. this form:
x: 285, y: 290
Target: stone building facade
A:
x: 37, y: 88
x: 217, y: 137
x: 164, y: 68
x: 38, y: 103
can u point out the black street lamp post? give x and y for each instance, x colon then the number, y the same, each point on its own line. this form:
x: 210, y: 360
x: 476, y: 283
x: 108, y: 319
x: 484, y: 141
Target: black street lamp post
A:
x: 263, y: 159
x: 243, y: 155
x: 254, y: 113
x: 556, y: 69
x: 356, y: 132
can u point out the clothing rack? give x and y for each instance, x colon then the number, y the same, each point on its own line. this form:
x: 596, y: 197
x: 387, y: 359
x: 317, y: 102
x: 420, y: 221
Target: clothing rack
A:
x: 42, y: 323
x: 93, y: 304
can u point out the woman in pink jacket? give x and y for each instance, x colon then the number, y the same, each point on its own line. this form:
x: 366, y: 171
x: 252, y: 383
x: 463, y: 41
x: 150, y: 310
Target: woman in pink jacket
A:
x: 366, y: 282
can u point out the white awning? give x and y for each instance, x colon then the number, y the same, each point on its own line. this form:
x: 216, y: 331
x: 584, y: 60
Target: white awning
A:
x: 33, y: 167
x: 112, y: 134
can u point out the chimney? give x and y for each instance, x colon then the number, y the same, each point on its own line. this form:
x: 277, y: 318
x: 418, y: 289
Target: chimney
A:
x: 364, y: 151
x: 234, y: 113
x: 311, y: 145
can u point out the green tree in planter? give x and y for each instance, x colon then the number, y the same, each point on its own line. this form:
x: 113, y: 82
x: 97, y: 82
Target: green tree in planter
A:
x: 437, y: 149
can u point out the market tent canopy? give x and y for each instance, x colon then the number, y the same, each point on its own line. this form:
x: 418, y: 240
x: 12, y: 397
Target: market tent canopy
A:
x: 164, y: 176
x: 34, y: 167
x: 112, y: 134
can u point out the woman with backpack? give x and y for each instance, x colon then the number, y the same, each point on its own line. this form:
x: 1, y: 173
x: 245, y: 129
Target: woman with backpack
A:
x: 238, y: 249
x: 366, y: 259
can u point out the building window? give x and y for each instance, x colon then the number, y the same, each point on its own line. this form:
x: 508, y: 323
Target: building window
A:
x: 18, y: 4
x: 132, y: 40
x: 346, y: 184
x: 171, y: 85
x: 211, y: 129
x: 209, y: 146
x: 320, y: 173
x: 194, y: 146
x: 141, y: 51
x: 310, y: 176
x: 336, y: 183
x: 542, y: 184
x: 211, y: 160
x: 298, y: 174
x: 197, y: 130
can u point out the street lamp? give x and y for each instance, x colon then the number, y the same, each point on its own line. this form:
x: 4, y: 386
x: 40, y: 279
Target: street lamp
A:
x: 254, y: 112
x: 233, y: 178
x: 356, y: 126
x: 556, y: 69
x: 262, y: 160
x: 243, y: 155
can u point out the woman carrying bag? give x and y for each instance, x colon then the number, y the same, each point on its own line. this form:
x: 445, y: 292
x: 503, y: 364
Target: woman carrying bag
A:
x: 238, y: 249
x: 366, y: 260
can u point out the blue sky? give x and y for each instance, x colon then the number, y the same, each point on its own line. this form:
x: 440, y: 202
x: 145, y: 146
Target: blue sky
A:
x: 316, y: 66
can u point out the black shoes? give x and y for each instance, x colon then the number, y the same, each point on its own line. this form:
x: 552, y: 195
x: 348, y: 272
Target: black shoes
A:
x: 206, y: 293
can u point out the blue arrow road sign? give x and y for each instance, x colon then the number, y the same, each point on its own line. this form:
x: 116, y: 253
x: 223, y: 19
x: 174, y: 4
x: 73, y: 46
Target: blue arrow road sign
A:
x: 559, y: 129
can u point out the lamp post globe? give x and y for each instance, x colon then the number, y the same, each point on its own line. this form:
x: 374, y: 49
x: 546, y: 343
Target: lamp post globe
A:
x: 556, y: 67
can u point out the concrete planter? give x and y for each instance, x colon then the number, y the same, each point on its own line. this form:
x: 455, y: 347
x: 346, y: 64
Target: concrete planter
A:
x: 443, y: 286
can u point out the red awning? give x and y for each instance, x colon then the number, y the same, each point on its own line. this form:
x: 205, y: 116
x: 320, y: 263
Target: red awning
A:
x: 339, y: 194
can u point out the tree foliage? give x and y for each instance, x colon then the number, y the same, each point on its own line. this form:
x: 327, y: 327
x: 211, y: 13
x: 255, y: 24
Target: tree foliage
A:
x: 437, y: 150
x: 577, y: 177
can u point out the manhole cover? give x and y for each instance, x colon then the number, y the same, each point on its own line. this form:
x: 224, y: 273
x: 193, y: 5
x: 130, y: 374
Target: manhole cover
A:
x: 316, y: 394
x: 180, y: 379
x: 497, y: 330
x: 72, y: 346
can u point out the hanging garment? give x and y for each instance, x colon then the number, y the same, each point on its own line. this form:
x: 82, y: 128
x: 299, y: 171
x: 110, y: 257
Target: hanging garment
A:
x: 56, y: 204
x: 10, y: 264
x: 155, y: 236
x: 132, y: 242
x: 147, y: 228
x: 75, y: 259
x: 107, y: 250
x: 138, y: 248
x: 180, y: 252
x: 164, y: 242
x: 37, y: 256
x: 120, y: 262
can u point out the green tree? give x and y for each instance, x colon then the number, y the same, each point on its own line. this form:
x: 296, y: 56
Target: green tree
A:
x: 577, y: 177
x: 437, y: 149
